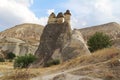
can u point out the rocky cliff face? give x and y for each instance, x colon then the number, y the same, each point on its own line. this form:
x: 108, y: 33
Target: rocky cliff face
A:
x: 21, y: 39
x: 54, y: 37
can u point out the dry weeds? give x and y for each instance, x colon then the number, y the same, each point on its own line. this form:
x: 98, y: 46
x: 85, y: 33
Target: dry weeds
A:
x: 102, y: 64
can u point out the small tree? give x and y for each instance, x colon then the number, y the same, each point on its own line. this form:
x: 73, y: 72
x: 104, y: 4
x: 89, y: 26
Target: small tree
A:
x: 24, y: 61
x: 2, y: 60
x: 10, y: 56
x: 98, y: 41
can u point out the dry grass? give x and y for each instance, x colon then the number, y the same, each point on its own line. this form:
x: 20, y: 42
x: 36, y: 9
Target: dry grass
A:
x: 109, y: 76
x: 19, y: 74
x: 23, y: 74
x: 5, y: 67
x: 102, y: 64
x: 96, y: 57
x: 114, y: 62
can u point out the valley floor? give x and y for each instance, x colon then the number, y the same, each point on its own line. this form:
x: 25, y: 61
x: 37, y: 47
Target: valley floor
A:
x: 101, y: 65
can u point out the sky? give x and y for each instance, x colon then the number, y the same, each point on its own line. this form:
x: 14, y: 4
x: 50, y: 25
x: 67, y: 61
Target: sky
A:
x: 85, y: 13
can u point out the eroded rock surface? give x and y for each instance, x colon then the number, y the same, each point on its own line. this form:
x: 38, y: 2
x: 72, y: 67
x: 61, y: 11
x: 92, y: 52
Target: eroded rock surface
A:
x: 21, y: 39
x: 54, y: 37
x: 75, y: 47
x: 59, y: 42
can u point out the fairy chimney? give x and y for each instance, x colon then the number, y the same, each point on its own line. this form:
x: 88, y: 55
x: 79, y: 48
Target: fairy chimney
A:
x: 52, y: 18
x: 67, y: 16
x: 60, y: 18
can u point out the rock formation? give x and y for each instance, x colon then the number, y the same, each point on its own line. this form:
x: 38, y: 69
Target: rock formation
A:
x: 52, y: 18
x: 54, y: 37
x: 21, y: 39
x: 60, y: 18
x: 57, y: 39
x: 75, y: 47
x: 67, y: 15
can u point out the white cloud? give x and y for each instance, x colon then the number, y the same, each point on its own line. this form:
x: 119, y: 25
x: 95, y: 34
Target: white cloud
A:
x: 93, y: 12
x: 50, y: 11
x: 14, y: 12
x: 43, y: 20
x: 25, y: 2
x: 75, y: 22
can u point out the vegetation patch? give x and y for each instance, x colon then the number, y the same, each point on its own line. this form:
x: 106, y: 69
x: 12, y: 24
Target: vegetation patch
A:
x: 24, y: 61
x: 98, y: 41
x: 2, y: 60
x: 52, y: 62
x: 10, y: 56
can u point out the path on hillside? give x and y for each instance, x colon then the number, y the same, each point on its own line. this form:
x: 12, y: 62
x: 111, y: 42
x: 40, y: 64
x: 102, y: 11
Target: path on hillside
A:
x: 64, y: 75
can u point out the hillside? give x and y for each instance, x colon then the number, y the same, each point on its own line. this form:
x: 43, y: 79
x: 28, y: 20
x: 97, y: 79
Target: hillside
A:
x: 111, y: 29
x: 100, y: 65
x: 25, y: 32
x: 21, y: 39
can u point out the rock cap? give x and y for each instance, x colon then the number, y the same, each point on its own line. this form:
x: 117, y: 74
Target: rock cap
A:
x: 60, y: 15
x: 67, y: 12
x: 52, y: 15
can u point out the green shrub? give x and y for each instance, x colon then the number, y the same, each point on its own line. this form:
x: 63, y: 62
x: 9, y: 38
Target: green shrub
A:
x: 10, y: 56
x: 98, y: 41
x: 52, y: 62
x: 2, y: 60
x: 24, y: 61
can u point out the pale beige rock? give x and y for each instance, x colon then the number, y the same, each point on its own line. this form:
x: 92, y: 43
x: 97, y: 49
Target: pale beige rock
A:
x: 21, y: 39
x: 67, y: 16
x: 60, y: 18
x: 52, y: 18
x: 75, y: 47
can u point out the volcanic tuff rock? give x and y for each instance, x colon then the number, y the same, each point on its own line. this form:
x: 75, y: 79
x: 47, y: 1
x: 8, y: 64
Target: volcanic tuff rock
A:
x: 21, y: 39
x: 59, y: 42
x: 28, y: 32
x: 54, y: 37
x: 75, y: 47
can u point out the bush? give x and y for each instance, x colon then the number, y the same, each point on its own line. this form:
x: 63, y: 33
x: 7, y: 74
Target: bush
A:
x: 52, y: 62
x: 10, y: 56
x: 24, y: 61
x: 2, y: 60
x: 98, y: 41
